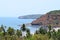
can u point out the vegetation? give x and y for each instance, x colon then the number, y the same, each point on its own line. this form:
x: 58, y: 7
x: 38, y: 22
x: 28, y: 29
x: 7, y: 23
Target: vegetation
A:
x: 41, y: 34
x: 54, y: 12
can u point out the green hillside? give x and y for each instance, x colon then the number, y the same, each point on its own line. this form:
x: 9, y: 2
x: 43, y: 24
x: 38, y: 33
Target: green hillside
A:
x: 54, y: 12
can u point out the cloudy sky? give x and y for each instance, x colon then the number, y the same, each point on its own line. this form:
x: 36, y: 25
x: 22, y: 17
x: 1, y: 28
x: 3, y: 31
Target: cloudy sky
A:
x: 15, y: 8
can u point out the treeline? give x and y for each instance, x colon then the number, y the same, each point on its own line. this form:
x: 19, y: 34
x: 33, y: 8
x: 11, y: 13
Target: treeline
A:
x: 41, y: 34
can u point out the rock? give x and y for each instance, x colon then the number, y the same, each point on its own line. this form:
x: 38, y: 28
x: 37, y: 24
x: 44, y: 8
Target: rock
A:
x: 51, y: 18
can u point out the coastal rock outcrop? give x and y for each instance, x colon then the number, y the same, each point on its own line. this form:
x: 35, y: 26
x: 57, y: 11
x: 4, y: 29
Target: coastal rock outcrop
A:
x: 51, y: 18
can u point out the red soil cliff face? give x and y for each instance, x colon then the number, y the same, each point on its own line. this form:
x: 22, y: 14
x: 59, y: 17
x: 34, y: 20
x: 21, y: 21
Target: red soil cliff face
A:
x: 48, y: 19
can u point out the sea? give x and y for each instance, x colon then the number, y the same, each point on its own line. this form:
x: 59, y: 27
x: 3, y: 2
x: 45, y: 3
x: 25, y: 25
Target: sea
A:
x: 16, y: 23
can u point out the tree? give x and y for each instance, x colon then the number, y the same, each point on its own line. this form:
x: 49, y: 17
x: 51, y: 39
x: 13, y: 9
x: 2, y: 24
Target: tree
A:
x: 1, y: 33
x: 42, y: 31
x: 54, y: 36
x: 58, y: 35
x: 37, y: 32
x: 11, y: 31
x: 0, y: 29
x: 49, y: 32
x: 28, y: 33
x: 49, y: 27
x: 18, y: 33
x: 23, y: 28
x: 3, y: 29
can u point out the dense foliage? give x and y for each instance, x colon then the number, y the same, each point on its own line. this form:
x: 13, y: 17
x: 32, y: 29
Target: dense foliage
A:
x: 41, y: 34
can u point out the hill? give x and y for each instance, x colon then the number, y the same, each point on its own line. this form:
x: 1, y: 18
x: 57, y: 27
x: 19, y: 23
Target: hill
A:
x: 35, y: 16
x: 51, y: 18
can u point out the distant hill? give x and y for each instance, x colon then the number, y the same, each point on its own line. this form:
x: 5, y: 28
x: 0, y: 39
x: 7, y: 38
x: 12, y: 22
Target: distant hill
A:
x: 35, y: 16
x: 51, y: 18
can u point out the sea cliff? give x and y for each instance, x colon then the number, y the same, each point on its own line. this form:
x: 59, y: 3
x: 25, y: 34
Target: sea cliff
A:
x: 51, y: 18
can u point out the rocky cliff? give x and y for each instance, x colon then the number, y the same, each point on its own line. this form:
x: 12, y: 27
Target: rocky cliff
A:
x: 51, y: 18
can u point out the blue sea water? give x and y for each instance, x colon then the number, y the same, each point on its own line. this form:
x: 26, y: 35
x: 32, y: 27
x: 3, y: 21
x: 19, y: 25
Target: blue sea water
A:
x: 14, y: 22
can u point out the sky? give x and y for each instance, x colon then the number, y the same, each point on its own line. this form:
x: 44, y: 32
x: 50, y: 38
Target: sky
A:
x: 15, y: 8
